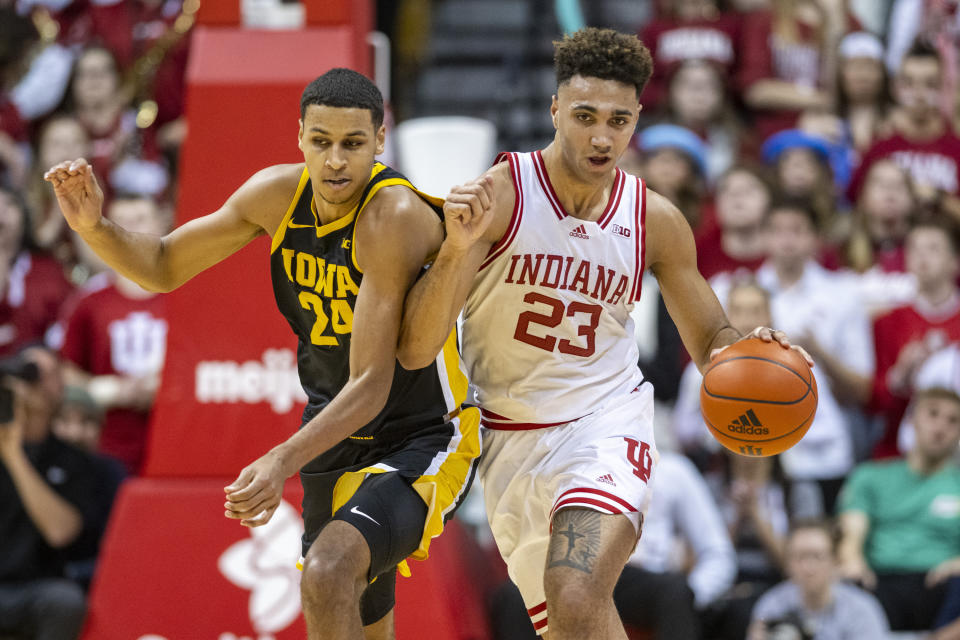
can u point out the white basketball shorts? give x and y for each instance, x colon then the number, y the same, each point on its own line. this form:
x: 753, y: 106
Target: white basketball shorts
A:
x: 603, y: 461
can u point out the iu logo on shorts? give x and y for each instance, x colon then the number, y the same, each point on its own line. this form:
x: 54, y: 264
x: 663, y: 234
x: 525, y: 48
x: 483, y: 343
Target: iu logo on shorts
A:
x: 638, y: 454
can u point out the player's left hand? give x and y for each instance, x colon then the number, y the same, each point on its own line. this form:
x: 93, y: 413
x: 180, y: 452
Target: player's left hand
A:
x: 768, y: 334
x: 256, y: 493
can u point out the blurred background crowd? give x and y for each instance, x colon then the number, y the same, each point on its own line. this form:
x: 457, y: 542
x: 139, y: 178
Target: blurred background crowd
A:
x: 812, y: 146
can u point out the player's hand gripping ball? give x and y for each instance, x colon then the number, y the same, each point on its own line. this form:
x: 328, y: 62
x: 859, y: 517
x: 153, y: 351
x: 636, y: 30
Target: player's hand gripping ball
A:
x: 758, y: 398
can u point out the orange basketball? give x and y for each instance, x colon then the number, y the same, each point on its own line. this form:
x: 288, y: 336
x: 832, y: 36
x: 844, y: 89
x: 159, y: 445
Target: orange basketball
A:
x: 758, y: 398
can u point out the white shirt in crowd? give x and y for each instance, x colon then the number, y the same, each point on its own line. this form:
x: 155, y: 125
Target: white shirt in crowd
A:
x: 683, y: 514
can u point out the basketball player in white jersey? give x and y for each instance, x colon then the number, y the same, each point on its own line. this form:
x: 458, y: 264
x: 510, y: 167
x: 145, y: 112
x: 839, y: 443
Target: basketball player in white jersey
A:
x: 547, y: 250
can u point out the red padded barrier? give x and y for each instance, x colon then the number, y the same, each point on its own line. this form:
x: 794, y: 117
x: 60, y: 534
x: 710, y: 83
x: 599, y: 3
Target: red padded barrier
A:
x: 229, y: 388
x: 317, y: 12
x: 219, y: 12
x: 173, y: 568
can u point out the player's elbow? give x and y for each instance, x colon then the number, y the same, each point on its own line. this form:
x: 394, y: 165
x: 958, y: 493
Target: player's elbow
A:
x: 412, y: 356
x: 413, y: 361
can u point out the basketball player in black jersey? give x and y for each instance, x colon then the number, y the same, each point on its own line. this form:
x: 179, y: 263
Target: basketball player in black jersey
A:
x: 385, y: 454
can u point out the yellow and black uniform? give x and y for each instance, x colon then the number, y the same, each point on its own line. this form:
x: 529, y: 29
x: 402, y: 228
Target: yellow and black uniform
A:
x: 424, y: 435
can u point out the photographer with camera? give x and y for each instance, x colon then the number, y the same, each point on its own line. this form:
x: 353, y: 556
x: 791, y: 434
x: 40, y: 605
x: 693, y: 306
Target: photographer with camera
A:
x: 50, y: 513
x: 812, y: 604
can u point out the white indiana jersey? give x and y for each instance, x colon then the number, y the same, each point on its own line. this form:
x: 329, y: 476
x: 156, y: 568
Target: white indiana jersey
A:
x: 547, y: 333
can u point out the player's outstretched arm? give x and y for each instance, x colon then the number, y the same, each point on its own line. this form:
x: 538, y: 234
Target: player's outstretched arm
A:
x: 395, y: 235
x: 476, y: 215
x: 162, y: 263
x: 693, y: 306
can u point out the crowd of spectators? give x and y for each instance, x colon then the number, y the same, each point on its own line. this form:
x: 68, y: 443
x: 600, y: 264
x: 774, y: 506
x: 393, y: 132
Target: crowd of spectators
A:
x: 101, y: 79
x: 812, y: 146
x: 817, y: 162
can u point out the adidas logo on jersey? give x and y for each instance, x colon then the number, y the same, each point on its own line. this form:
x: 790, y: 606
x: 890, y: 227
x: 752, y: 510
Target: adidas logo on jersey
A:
x: 580, y: 232
x: 620, y: 231
x: 747, y: 423
x: 607, y: 479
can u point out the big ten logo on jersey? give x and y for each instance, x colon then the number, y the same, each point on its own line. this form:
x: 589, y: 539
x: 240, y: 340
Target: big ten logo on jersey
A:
x: 558, y: 272
x: 327, y: 287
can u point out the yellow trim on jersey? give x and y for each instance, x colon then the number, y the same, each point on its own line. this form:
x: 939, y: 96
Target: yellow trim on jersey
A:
x: 444, y: 489
x: 389, y: 182
x: 340, y: 223
x: 282, y: 229
x: 330, y: 227
x: 441, y: 490
x: 456, y: 377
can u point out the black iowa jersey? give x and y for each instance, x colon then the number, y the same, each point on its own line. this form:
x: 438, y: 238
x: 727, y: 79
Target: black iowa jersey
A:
x: 315, y: 281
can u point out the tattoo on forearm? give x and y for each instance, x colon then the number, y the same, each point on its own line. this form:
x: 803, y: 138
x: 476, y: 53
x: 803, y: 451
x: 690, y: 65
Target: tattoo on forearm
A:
x: 575, y: 541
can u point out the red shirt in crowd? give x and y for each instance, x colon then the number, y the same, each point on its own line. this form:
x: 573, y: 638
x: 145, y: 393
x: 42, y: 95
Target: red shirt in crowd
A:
x: 891, y: 333
x: 767, y: 56
x: 712, y: 259
x: 933, y: 163
x: 129, y: 28
x: 108, y: 333
x: 35, y: 290
x: 888, y: 258
x: 672, y: 42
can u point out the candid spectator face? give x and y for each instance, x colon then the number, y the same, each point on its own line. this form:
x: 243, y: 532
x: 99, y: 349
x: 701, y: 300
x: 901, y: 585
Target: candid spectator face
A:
x: 936, y: 421
x: 696, y: 93
x: 917, y: 87
x: 886, y: 201
x: 930, y: 257
x: 96, y: 80
x: 791, y: 237
x: 667, y: 170
x: 810, y: 560
x: 139, y: 215
x: 12, y: 221
x: 62, y: 138
x: 41, y: 398
x: 861, y: 80
x: 748, y: 307
x: 798, y: 171
x: 742, y: 200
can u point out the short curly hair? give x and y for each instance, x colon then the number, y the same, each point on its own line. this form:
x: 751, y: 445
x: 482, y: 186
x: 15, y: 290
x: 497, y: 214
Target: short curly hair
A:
x: 604, y: 54
x: 344, y: 88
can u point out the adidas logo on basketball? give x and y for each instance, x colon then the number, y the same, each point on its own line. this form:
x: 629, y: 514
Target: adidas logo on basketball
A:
x: 607, y: 479
x: 580, y: 232
x: 748, y: 423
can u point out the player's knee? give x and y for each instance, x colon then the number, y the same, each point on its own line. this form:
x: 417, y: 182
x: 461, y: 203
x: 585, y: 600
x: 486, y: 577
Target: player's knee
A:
x: 573, y: 602
x: 329, y: 575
